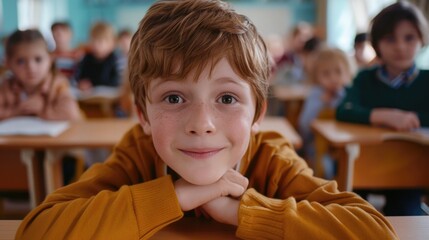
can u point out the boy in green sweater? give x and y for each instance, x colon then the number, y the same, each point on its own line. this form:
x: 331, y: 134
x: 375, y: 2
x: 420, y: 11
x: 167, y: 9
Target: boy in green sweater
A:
x: 199, y: 73
x: 393, y: 94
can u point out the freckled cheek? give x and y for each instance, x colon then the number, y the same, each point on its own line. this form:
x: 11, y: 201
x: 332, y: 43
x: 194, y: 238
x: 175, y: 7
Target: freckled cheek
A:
x: 164, y: 127
x: 238, y: 122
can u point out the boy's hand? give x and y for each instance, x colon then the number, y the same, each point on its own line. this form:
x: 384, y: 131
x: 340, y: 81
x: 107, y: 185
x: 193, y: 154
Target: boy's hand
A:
x: 223, y: 209
x: 395, y: 118
x: 191, y: 196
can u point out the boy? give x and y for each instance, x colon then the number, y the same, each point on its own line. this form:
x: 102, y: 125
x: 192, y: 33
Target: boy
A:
x: 65, y: 57
x: 393, y: 94
x: 101, y: 66
x: 199, y: 73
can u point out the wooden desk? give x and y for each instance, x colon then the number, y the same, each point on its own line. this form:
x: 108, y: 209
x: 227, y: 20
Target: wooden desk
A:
x: 85, y: 134
x: 100, y: 102
x: 367, y: 160
x: 293, y: 96
x: 89, y: 134
x: 281, y: 125
x: 407, y: 228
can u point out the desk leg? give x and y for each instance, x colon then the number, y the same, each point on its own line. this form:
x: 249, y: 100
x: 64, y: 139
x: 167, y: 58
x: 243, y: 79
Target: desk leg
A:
x: 322, y: 148
x: 53, y: 171
x: 346, y: 167
x: 35, y: 176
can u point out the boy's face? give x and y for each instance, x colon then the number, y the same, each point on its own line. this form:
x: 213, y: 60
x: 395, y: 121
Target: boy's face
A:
x: 399, y: 49
x: 102, y: 47
x: 62, y: 36
x: 30, y: 63
x: 201, y: 128
x: 332, y: 76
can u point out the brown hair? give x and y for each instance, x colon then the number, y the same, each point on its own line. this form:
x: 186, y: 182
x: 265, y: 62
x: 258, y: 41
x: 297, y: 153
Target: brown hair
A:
x: 63, y: 25
x: 385, y: 22
x: 329, y: 55
x: 179, y: 38
x: 102, y: 30
x: 26, y: 36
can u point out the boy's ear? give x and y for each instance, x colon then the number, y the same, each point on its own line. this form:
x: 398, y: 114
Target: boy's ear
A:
x: 143, y: 122
x: 257, y: 123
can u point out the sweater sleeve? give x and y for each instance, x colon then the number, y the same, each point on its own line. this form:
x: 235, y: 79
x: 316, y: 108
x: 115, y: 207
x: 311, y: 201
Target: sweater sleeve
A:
x: 111, y: 201
x: 293, y: 204
x: 351, y: 108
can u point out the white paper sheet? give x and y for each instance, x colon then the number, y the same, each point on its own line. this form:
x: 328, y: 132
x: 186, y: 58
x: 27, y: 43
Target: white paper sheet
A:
x: 32, y: 126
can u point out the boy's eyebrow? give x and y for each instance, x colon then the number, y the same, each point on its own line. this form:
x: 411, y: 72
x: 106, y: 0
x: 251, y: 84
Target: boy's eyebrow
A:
x: 240, y: 82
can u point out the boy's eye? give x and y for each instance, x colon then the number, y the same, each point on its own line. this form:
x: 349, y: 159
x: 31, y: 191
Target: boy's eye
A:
x: 227, y: 99
x: 410, y: 37
x: 38, y: 59
x: 174, y: 99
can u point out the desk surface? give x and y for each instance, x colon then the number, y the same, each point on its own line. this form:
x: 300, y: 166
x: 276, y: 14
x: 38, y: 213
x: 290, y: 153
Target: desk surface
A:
x: 281, y: 125
x: 293, y: 92
x: 409, y: 228
x: 90, y: 133
x: 108, y: 132
x: 342, y: 133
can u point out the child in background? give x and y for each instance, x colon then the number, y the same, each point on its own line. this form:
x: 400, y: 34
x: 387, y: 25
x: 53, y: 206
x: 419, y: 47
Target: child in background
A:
x: 309, y: 52
x: 199, y: 72
x: 289, y: 67
x: 364, y: 54
x: 393, y: 94
x: 64, y: 56
x: 101, y: 66
x: 34, y: 88
x: 124, y: 41
x: 331, y: 71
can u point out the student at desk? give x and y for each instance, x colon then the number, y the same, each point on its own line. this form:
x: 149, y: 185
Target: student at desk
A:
x: 35, y: 87
x: 101, y: 66
x: 199, y: 72
x: 393, y: 94
x: 332, y: 70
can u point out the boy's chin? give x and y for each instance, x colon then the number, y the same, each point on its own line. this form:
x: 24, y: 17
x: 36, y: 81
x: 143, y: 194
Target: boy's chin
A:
x: 201, y: 178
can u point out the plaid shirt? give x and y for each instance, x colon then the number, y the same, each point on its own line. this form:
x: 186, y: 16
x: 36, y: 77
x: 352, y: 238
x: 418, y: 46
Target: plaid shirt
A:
x: 403, y: 79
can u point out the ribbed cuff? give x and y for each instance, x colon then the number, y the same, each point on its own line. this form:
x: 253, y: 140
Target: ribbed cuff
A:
x: 260, y: 217
x: 155, y: 204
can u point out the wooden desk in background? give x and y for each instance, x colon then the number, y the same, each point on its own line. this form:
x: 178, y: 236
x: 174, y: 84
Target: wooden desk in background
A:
x: 103, y: 133
x: 407, y: 228
x: 293, y: 96
x: 368, y: 159
x: 100, y: 102
x: 100, y: 133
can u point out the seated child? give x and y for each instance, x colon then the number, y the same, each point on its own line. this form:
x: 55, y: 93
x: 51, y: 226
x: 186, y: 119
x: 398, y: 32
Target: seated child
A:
x: 199, y: 73
x: 102, y: 65
x: 393, y: 94
x: 65, y: 57
x: 123, y: 42
x: 34, y: 87
x: 331, y: 71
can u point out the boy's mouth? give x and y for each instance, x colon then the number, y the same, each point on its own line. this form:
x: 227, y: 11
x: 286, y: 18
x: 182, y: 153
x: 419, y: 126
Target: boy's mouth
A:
x: 201, y: 153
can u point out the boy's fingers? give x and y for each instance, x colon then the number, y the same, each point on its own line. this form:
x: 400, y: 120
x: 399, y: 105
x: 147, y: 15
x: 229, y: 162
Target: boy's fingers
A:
x: 236, y: 177
x: 236, y: 190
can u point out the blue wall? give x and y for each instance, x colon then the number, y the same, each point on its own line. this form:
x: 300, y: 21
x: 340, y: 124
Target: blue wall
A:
x: 10, y: 17
x: 82, y: 13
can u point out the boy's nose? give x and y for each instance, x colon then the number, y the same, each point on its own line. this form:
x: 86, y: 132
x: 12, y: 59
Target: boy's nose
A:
x: 200, y: 121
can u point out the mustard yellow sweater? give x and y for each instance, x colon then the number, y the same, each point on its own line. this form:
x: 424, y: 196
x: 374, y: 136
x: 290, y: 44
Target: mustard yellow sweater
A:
x: 131, y: 197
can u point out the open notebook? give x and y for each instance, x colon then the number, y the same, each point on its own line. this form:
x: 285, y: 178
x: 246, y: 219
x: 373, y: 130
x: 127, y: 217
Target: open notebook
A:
x: 32, y: 126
